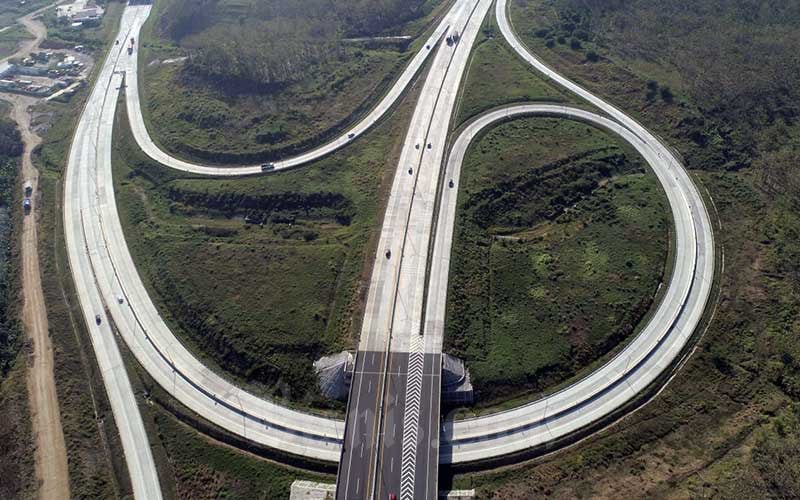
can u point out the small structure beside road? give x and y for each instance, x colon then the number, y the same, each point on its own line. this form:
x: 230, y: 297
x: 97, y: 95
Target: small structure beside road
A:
x: 80, y: 13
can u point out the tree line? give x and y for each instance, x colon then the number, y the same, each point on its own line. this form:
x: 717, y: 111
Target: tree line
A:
x: 277, y: 42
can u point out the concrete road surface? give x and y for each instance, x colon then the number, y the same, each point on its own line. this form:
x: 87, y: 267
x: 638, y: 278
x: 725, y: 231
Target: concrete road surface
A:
x: 82, y: 200
x: 104, y: 271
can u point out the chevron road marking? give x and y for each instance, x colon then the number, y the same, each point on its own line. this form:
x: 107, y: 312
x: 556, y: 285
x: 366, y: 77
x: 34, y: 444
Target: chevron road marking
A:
x: 416, y: 365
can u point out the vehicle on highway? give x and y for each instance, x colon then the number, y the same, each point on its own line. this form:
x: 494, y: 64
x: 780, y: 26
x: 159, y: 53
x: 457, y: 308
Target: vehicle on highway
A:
x: 116, y: 42
x: 388, y: 254
x: 267, y: 167
x: 351, y: 135
x: 430, y: 145
x: 97, y: 319
x: 410, y: 171
x: 416, y: 146
x: 130, y: 50
x: 120, y: 299
x: 392, y: 496
x: 451, y: 183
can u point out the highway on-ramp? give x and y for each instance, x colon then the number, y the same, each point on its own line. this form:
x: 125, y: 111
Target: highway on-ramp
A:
x: 652, y: 351
x: 139, y: 129
x: 83, y: 200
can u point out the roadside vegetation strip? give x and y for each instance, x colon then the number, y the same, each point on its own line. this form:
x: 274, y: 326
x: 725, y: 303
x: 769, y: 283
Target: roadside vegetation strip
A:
x: 51, y: 455
x: 17, y: 467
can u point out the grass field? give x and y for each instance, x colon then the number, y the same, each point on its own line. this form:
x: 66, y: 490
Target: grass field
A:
x: 195, y: 462
x: 511, y: 79
x: 11, y: 10
x: 726, y: 426
x: 10, y: 39
x: 548, y: 211
x: 204, y: 469
x: 262, y: 300
x: 224, y: 122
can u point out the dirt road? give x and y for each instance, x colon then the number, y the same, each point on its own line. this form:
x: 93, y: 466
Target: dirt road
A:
x: 51, y: 454
x: 35, y: 28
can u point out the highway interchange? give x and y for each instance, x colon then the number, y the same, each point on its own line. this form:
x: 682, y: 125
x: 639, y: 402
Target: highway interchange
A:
x: 108, y: 284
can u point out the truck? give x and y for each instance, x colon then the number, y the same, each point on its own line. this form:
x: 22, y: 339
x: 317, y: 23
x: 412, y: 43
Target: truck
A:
x: 28, y: 188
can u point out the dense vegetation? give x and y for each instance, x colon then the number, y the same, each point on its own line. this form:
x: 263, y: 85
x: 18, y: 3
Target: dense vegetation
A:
x: 727, y: 425
x: 10, y: 334
x: 11, y: 10
x: 230, y: 83
x: 16, y: 439
x: 279, y: 42
x: 541, y: 223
